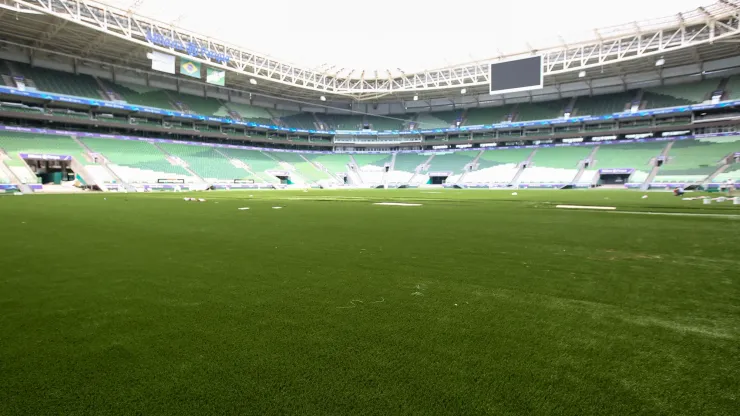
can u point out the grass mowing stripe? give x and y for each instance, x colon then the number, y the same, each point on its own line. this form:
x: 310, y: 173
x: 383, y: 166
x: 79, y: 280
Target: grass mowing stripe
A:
x: 491, y: 304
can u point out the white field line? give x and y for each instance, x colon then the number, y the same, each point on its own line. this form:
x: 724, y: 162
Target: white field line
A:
x: 680, y: 214
x: 585, y: 207
x: 397, y: 204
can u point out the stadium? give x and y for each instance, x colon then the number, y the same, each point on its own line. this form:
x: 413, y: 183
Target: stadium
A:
x: 193, y: 227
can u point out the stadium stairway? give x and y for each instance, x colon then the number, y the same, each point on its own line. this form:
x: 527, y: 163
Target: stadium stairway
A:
x: 654, y: 171
x: 15, y: 143
x: 473, y: 166
x: 183, y: 165
x: 697, y: 161
x: 355, y: 168
x: 6, y: 172
x: 558, y: 165
x: 497, y: 166
x: 419, y: 178
x: 581, y: 178
x: 522, y: 166
x: 106, y: 174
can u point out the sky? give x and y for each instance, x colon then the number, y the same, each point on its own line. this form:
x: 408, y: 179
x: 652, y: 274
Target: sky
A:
x: 390, y: 34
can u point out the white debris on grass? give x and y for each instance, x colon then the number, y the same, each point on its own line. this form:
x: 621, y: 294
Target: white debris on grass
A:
x: 243, y: 208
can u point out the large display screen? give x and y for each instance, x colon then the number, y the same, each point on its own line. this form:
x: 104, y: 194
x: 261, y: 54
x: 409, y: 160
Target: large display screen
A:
x: 516, y: 75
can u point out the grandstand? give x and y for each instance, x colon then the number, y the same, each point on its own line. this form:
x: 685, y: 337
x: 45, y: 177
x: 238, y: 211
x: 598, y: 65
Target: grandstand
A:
x: 638, y: 156
x: 555, y: 165
x: 693, y: 161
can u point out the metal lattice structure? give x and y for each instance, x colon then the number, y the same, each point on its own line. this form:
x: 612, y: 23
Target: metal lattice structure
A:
x: 616, y: 46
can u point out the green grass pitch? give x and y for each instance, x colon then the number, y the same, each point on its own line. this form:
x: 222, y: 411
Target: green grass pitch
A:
x: 476, y: 302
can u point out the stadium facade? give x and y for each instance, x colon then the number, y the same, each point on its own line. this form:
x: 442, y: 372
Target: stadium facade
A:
x: 648, y: 104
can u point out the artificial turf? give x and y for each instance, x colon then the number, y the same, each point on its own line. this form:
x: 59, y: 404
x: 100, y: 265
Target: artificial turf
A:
x: 477, y: 302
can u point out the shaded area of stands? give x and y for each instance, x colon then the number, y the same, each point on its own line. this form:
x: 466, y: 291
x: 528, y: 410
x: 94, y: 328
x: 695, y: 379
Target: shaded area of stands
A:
x: 545, y: 110
x: 139, y: 95
x: 487, y: 115
x: 681, y: 94
x: 603, y: 104
x: 60, y: 82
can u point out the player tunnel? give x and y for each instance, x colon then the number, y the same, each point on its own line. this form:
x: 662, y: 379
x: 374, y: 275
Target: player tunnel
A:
x: 51, y: 169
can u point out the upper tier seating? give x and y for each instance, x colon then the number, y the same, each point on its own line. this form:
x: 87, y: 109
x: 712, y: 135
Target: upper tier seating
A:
x: 680, y: 94
x: 343, y: 121
x: 252, y: 113
x: 603, y: 104
x: 305, y: 121
x: 487, y: 115
x: 61, y: 82
x: 140, y: 95
x: 383, y: 123
x: 732, y: 89
x: 205, y: 106
x: 544, y: 110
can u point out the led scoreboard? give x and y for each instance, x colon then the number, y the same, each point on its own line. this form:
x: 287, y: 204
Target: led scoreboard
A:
x: 516, y: 75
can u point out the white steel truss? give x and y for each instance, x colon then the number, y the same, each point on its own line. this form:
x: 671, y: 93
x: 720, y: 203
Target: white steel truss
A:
x: 612, y: 45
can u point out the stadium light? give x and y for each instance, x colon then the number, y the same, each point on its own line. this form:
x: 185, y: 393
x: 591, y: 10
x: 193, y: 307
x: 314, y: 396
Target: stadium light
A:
x: 660, y: 62
x: 463, y: 91
x: 253, y: 81
x: 322, y: 98
x: 416, y: 98
x: 581, y: 74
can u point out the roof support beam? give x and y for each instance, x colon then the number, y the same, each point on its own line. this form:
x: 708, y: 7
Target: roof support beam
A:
x: 620, y: 44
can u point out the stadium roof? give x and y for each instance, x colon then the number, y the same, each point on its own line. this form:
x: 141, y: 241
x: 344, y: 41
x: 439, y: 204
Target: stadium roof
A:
x: 691, y: 43
x: 396, y: 35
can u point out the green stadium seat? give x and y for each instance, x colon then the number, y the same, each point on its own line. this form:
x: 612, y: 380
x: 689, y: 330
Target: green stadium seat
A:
x: 487, y: 115
x: 206, y: 162
x: 140, y: 95
x: 430, y: 121
x: 547, y: 110
x: 679, y: 94
x: 303, y: 168
x: 603, y: 104
x: 627, y: 155
x: 258, y: 162
x: 693, y: 160
x: 61, y: 82
x: 452, y: 162
x: 137, y: 161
